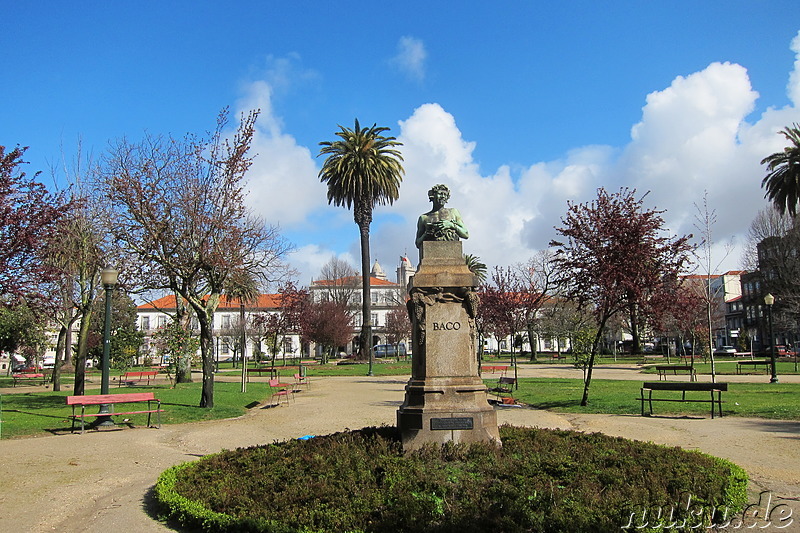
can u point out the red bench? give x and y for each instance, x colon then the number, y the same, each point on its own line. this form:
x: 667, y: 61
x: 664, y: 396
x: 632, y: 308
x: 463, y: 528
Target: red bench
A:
x: 27, y: 377
x: 493, y: 369
x: 111, y: 400
x: 131, y: 378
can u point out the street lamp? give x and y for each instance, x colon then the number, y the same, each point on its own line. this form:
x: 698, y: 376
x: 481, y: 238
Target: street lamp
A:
x: 109, y: 278
x: 769, y: 299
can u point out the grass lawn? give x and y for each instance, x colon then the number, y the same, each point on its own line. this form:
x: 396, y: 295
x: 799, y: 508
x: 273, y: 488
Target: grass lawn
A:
x: 37, y: 413
x: 355, y: 369
x: 759, y: 400
x: 46, y: 412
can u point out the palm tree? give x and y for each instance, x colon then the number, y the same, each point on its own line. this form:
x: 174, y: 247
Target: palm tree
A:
x: 243, y: 286
x: 783, y: 179
x: 362, y: 170
x: 477, y: 267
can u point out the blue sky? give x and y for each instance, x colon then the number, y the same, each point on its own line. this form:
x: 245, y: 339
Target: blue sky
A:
x: 517, y: 106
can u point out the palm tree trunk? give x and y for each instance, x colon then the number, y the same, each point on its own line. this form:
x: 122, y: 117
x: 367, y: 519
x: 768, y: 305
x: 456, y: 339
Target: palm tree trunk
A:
x: 366, y: 300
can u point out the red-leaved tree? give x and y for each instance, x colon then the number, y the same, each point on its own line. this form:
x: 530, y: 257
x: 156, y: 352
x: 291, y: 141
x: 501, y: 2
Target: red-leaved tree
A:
x: 615, y: 258
x: 328, y: 323
x: 29, y: 213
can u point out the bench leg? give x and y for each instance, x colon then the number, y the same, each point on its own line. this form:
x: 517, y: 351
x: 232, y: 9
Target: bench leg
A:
x: 712, y: 404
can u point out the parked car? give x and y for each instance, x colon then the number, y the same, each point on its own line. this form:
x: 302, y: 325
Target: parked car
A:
x: 24, y: 368
x: 780, y: 351
x: 725, y: 350
x: 390, y: 350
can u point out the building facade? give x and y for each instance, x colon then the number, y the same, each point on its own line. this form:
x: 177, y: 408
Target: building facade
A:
x: 226, y: 327
x: 386, y: 296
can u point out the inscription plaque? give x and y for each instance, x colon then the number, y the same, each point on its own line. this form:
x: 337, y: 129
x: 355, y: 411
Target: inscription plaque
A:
x: 450, y: 424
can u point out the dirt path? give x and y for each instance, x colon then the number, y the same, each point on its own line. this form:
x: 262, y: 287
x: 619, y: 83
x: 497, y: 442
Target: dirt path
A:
x: 99, y: 481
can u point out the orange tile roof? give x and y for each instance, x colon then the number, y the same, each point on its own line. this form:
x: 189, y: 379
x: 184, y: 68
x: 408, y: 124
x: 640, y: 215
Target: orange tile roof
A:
x: 264, y: 301
x: 355, y: 281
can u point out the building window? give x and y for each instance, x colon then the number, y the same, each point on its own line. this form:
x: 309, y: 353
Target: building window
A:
x: 375, y: 319
x: 145, y: 323
x: 226, y: 321
x: 162, y: 321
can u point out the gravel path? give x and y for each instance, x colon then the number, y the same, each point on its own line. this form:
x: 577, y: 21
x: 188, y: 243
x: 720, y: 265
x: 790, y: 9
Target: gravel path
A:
x: 99, y: 481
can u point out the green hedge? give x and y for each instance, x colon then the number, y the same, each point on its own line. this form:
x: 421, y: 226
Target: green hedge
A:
x: 539, y: 480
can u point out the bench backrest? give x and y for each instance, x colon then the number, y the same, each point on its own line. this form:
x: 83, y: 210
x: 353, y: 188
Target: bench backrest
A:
x: 673, y: 367
x: 151, y: 373
x: 98, y: 399
x: 27, y: 375
x: 683, y: 386
x: 507, y: 381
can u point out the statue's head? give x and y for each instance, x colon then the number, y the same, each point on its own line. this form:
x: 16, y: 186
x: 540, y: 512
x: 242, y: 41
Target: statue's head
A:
x: 441, y: 191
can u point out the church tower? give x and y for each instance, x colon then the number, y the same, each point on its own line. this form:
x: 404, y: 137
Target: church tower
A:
x: 404, y: 273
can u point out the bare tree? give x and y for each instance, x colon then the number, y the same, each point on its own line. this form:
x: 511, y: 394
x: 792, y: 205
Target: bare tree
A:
x: 537, y: 281
x: 340, y: 282
x: 398, y: 326
x: 705, y: 219
x: 179, y: 206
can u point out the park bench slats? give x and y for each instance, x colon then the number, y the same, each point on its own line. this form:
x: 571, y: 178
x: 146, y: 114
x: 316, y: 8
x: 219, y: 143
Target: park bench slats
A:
x: 664, y: 369
x: 29, y: 377
x: 131, y: 378
x: 683, y: 387
x: 754, y: 363
x: 112, y: 400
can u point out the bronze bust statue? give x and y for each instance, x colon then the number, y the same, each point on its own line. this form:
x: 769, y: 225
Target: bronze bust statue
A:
x: 440, y: 223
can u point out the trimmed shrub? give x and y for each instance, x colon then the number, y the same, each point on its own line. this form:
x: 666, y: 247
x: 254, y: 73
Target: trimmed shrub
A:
x: 539, y: 480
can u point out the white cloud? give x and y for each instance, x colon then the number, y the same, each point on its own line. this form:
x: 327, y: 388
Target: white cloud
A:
x: 793, y: 89
x: 282, y: 182
x: 694, y: 136
x: 308, y: 260
x: 410, y: 58
x: 508, y: 217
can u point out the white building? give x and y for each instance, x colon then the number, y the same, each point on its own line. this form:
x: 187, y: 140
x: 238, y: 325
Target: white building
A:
x: 385, y: 296
x: 225, y: 326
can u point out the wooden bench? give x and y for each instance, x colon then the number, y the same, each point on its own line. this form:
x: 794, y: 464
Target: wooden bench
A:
x: 29, y: 378
x: 272, y: 372
x: 132, y: 378
x: 504, y: 386
x: 492, y: 369
x: 111, y: 400
x: 664, y: 369
x: 754, y: 363
x: 683, y: 387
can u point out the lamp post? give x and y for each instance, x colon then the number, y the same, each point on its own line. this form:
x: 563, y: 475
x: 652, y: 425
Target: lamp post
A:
x: 109, y: 278
x: 769, y: 299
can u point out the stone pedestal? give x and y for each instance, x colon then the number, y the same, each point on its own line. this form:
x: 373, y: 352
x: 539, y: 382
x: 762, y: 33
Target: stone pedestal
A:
x: 445, y: 398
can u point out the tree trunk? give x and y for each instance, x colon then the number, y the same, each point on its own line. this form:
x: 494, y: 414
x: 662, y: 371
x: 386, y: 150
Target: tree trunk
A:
x: 366, y: 300
x: 60, y: 343
x: 207, y: 355
x: 183, y: 366
x: 636, y: 346
x: 532, y: 341
x: 80, y: 357
x: 590, y: 365
x: 710, y: 335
